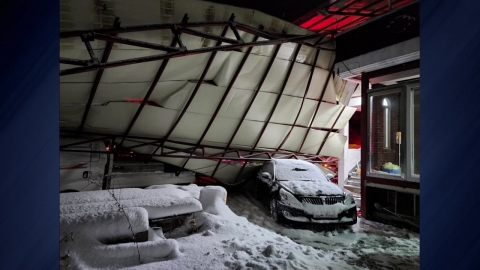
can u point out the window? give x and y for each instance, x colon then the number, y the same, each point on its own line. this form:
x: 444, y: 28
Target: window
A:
x: 386, y: 122
x: 394, y: 132
x: 385, y: 155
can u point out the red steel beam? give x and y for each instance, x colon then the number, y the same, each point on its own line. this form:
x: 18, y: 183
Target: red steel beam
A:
x: 360, y: 19
x: 339, y: 10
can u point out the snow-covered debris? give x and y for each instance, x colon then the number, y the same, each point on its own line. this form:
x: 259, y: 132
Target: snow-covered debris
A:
x: 159, y: 202
x: 210, y: 196
x: 105, y: 225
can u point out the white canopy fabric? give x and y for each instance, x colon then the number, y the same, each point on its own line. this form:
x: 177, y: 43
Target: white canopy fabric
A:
x: 112, y: 110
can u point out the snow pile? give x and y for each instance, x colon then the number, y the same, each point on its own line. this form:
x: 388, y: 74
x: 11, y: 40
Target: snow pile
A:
x: 366, y: 245
x: 93, y: 240
x: 159, y: 202
x: 211, y: 196
x: 168, y: 190
x: 105, y: 225
x: 297, y: 170
x: 226, y: 239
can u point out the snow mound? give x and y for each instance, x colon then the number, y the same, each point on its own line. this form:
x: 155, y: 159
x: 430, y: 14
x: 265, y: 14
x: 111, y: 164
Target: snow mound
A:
x: 163, y: 201
x: 212, y: 198
x: 105, y: 225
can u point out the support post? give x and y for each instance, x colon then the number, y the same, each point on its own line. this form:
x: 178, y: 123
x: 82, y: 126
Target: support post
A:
x: 364, y: 149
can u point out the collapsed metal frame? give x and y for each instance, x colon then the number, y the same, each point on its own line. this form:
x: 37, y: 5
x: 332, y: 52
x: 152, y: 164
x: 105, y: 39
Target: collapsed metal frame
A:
x: 173, y: 51
x: 218, y: 156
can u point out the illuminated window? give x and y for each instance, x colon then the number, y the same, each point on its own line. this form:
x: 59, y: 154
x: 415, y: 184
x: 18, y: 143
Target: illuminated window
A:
x: 386, y: 122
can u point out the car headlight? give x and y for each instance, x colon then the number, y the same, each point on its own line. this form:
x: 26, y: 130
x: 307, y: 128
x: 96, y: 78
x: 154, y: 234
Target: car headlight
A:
x: 283, y: 195
x: 288, y: 199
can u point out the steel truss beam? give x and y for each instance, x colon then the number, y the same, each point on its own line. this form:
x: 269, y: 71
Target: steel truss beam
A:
x: 225, y: 94
x: 312, y: 70
x: 197, y: 86
x: 318, y: 106
x: 152, y: 86
x: 284, y: 83
x: 279, y: 96
x: 172, y: 51
x: 262, y: 80
x: 98, y: 77
x: 188, y: 148
x: 239, y: 159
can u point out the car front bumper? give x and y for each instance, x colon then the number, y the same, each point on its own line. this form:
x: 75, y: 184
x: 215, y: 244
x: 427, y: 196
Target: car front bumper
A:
x: 345, y: 217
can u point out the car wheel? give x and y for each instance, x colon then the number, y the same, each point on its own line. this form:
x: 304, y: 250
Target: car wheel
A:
x: 354, y: 217
x: 274, y: 210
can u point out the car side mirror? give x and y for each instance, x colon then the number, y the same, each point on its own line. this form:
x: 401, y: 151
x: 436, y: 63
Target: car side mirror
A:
x: 330, y: 176
x: 266, y: 175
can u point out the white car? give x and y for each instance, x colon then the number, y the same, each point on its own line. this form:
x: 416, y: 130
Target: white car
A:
x: 298, y: 191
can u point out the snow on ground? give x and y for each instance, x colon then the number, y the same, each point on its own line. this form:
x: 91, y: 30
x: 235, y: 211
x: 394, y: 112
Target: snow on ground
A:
x: 367, y: 244
x: 242, y: 236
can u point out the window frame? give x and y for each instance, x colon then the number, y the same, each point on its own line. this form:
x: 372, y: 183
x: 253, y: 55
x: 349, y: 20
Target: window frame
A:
x: 406, y: 128
x: 378, y: 92
x: 410, y: 131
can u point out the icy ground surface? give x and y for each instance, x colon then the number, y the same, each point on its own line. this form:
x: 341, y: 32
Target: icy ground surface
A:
x: 366, y: 245
x: 240, y: 235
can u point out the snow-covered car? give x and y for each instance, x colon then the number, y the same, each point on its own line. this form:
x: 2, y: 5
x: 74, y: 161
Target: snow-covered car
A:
x: 298, y: 191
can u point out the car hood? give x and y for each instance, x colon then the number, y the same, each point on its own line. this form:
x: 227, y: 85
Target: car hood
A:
x: 311, y: 188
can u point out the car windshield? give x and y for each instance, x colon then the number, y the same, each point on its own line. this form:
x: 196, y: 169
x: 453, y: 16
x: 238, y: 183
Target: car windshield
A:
x: 297, y: 170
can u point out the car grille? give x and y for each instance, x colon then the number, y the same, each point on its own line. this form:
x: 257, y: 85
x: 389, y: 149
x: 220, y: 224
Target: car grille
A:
x: 328, y: 200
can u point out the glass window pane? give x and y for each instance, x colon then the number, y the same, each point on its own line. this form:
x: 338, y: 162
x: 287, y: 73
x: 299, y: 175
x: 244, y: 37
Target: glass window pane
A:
x: 385, y: 112
x: 416, y: 131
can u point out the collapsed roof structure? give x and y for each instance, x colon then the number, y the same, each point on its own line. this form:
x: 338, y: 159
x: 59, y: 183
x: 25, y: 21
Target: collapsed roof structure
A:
x: 218, y: 91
